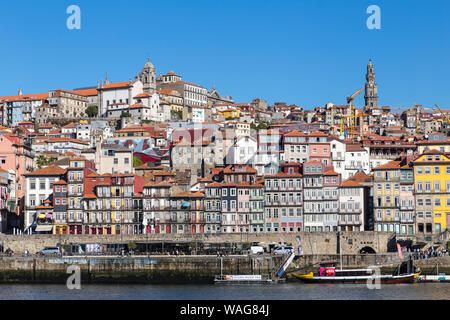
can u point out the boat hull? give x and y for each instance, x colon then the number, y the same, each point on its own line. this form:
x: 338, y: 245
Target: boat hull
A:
x: 388, y: 279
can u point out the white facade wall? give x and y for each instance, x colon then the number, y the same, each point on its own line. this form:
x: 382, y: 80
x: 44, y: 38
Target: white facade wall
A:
x: 38, y: 195
x: 338, y: 157
x: 354, y: 161
x: 351, y: 203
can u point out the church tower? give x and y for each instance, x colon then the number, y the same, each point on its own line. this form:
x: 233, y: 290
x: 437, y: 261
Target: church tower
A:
x: 148, y: 77
x: 371, y: 95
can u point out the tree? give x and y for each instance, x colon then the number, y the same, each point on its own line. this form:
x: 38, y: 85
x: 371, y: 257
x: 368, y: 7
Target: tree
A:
x: 137, y: 162
x: 92, y: 111
x: 125, y: 114
x: 178, y: 113
x: 262, y: 126
x: 42, y: 161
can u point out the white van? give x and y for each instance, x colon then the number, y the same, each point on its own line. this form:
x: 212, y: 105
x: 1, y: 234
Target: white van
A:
x: 256, y: 250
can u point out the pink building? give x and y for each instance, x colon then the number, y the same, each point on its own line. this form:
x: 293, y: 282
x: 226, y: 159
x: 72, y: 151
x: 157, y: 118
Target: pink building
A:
x: 17, y: 156
x: 319, y: 148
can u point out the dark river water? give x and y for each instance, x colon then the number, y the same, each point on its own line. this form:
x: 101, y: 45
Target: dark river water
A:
x: 285, y: 291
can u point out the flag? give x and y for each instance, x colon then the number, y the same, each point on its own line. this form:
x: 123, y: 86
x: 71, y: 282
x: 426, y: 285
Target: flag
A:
x: 399, y: 249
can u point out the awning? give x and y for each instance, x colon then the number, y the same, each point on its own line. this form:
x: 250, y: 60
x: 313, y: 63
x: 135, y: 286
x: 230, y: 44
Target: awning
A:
x: 42, y: 228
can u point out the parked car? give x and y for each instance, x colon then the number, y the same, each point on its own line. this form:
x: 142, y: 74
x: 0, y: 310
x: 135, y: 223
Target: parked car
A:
x: 257, y: 250
x: 50, y: 251
x: 283, y: 250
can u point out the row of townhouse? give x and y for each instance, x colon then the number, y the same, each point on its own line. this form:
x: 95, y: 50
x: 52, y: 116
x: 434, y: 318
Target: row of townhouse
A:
x: 77, y: 200
x: 408, y: 195
x: 412, y: 194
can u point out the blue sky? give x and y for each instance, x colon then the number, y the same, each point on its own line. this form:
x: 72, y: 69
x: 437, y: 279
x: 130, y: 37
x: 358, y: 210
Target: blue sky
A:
x: 307, y: 52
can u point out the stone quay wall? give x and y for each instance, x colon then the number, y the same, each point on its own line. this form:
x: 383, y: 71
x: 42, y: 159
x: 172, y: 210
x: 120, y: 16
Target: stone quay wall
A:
x: 311, y: 243
x: 149, y: 269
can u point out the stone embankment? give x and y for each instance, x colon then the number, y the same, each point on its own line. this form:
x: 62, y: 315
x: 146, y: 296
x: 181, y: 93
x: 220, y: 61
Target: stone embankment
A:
x: 147, y: 269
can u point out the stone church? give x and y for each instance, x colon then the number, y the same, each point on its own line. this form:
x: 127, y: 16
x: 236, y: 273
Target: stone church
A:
x: 148, y: 77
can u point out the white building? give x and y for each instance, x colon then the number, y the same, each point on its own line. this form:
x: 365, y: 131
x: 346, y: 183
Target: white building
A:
x: 63, y: 145
x: 242, y: 151
x: 353, y: 203
x: 110, y: 158
x: 117, y: 93
x: 39, y: 188
x: 83, y: 131
x: 356, y: 158
x: 338, y: 148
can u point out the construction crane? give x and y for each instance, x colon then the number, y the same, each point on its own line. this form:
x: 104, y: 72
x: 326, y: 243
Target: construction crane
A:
x: 352, y: 133
x: 445, y: 123
x: 351, y: 107
x: 445, y: 116
x: 419, y: 110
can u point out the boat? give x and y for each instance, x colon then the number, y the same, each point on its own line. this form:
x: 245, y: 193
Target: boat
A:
x: 256, y: 278
x: 438, y: 277
x: 329, y: 274
x: 241, y: 279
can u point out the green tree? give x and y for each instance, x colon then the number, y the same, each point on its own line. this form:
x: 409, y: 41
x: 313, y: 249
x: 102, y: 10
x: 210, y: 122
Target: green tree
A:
x: 262, y: 126
x: 125, y: 114
x: 92, y: 111
x: 179, y: 113
x: 137, y: 162
x: 42, y: 161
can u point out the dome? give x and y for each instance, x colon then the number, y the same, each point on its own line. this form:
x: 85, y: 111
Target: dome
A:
x: 149, y: 64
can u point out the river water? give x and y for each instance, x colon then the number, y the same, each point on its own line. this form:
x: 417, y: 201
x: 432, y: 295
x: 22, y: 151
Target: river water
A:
x: 285, y: 291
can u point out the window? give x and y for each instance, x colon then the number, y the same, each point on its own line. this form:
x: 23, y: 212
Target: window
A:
x: 437, y: 186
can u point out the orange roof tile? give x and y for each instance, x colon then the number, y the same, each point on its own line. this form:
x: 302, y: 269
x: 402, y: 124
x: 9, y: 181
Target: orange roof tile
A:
x: 51, y: 170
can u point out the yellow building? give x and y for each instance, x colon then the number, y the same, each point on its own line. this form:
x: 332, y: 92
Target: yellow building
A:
x: 240, y: 128
x: 442, y: 145
x: 392, y: 195
x: 432, y: 191
x: 230, y: 113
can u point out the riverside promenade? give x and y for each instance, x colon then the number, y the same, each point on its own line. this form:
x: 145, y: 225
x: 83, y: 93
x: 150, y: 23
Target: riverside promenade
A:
x: 311, y: 243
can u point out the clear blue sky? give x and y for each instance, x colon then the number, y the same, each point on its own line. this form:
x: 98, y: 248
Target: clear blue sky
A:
x: 307, y: 52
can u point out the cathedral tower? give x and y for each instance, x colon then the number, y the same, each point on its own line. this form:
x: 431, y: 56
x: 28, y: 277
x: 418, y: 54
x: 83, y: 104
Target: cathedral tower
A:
x: 148, y: 77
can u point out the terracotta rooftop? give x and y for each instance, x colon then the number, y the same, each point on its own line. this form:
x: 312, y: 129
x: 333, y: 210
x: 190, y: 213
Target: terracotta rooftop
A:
x: 51, y: 170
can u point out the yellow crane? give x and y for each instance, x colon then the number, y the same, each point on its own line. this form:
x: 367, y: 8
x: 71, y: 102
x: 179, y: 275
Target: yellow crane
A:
x: 352, y: 115
x: 445, y: 116
x: 419, y: 110
x: 353, y: 125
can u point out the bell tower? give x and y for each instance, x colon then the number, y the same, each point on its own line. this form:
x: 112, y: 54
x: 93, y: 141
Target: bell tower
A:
x: 371, y: 95
x: 148, y: 77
